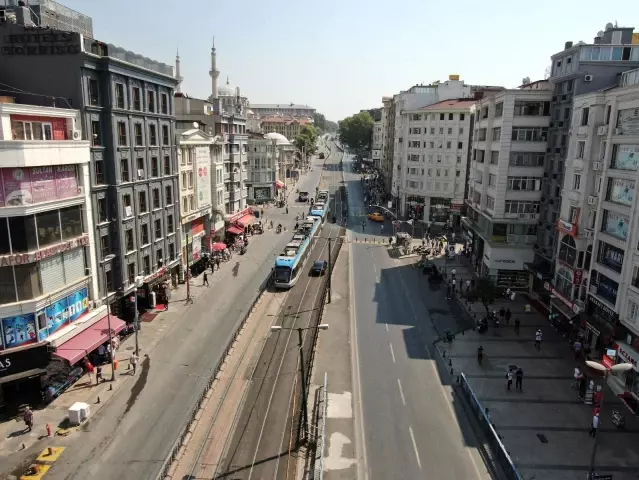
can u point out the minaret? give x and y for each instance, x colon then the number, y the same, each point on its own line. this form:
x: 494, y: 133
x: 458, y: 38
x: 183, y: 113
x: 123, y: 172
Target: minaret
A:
x: 178, y: 77
x: 214, y: 72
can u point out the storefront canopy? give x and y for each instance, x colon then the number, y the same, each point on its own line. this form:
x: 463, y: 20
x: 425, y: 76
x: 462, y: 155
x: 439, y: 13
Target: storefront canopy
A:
x: 279, y: 184
x: 233, y: 230
x: 218, y: 246
x: 87, y: 341
x: 246, y: 220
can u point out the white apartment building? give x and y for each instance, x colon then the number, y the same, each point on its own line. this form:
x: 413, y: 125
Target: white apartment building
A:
x: 432, y: 176
x: 505, y: 176
x: 376, y: 142
x: 264, y: 167
x: 598, y: 258
x: 386, y: 160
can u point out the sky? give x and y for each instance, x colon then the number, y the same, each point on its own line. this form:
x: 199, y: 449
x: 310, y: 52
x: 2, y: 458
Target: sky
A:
x: 342, y: 56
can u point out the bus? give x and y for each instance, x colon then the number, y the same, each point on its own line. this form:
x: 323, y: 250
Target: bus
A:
x: 290, y: 263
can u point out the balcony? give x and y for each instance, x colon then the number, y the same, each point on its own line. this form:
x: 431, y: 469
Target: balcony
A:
x: 38, y: 153
x: 522, y: 216
x: 582, y: 131
x: 521, y: 239
x: 578, y: 164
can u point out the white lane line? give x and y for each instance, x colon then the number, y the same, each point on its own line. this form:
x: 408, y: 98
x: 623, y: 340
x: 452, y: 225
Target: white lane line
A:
x: 392, y: 352
x: 412, y: 437
x: 386, y: 326
x: 375, y: 268
x: 401, y: 394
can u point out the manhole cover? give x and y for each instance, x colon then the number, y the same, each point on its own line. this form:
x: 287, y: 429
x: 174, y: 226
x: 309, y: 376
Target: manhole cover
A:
x: 542, y: 438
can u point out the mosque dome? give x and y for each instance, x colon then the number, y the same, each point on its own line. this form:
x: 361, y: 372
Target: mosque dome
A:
x: 226, y: 90
x: 278, y: 137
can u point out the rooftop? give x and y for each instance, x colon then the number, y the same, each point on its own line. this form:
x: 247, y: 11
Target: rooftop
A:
x: 454, y: 104
x: 281, y: 105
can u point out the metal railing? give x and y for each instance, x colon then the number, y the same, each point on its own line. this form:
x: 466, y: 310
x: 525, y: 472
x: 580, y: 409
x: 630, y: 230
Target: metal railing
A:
x: 175, y: 449
x: 493, y: 446
x: 321, y: 438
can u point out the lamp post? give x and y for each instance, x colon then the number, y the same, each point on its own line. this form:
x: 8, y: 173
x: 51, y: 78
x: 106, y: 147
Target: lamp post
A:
x: 107, y: 260
x: 321, y: 326
x: 139, y: 281
x: 620, y: 367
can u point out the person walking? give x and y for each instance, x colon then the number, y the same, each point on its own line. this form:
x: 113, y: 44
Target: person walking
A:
x: 448, y: 288
x: 594, y: 425
x: 508, y: 315
x: 453, y: 272
x: 27, y: 416
x: 133, y: 361
x: 519, y: 378
x: 467, y: 285
x: 577, y: 348
x: 480, y: 354
x: 509, y: 378
x: 217, y: 262
x: 286, y: 209
x: 205, y: 279
x: 88, y: 366
x: 538, y: 339
x: 98, y: 375
x: 517, y: 324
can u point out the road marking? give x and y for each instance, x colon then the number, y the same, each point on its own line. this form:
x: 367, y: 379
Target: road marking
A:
x: 386, y: 326
x: 375, y: 268
x: 401, y: 394
x: 392, y: 352
x: 412, y: 437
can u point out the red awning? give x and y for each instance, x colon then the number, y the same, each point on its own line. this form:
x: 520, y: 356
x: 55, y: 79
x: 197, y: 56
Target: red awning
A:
x: 85, y: 342
x: 218, y: 246
x: 233, y: 230
x: 279, y: 184
x: 246, y: 220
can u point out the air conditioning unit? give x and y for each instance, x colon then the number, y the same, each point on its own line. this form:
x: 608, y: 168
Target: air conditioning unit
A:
x: 618, y: 131
x: 77, y: 135
x: 592, y: 200
x: 587, y: 233
x: 596, y: 166
x: 140, y: 173
x: 588, y: 78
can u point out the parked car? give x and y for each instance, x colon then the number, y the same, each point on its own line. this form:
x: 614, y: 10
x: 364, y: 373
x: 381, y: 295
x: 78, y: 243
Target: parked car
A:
x: 376, y: 217
x: 319, y: 267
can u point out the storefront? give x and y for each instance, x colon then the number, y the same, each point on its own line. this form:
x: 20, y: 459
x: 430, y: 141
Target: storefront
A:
x: 599, y: 327
x: 415, y: 207
x: 568, y: 318
x: 506, y: 266
x: 440, y: 210
x: 630, y: 379
x: 21, y: 373
x: 237, y: 224
x: 153, y: 290
x: 456, y: 212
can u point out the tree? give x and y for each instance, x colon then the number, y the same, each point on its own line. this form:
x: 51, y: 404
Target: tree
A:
x: 487, y: 292
x: 319, y: 121
x: 355, y: 131
x: 306, y: 139
x: 331, y: 127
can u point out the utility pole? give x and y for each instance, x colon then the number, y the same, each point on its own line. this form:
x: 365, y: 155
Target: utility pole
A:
x: 330, y: 269
x: 304, y: 399
x: 108, y: 260
x: 136, y: 318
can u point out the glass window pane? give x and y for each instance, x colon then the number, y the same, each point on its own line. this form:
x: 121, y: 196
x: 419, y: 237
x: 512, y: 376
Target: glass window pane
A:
x: 48, y: 228
x: 71, y: 222
x: 7, y: 287
x: 27, y: 281
x: 4, y: 237
x: 23, y: 234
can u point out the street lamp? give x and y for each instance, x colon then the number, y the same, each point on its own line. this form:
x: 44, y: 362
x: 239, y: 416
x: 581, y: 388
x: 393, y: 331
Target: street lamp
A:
x: 109, y: 259
x: 620, y: 367
x: 139, y: 281
x: 321, y: 326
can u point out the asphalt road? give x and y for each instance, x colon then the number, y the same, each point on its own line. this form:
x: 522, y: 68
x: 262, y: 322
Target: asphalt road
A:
x: 409, y: 419
x: 130, y: 437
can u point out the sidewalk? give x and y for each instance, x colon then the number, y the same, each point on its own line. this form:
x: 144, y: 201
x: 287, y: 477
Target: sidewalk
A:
x: 545, y: 426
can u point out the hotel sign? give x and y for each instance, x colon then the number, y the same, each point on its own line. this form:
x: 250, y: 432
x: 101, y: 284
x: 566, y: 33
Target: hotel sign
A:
x: 31, y: 257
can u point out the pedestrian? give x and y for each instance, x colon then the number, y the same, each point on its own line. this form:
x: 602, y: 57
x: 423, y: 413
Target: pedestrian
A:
x: 519, y: 378
x: 454, y: 284
x: 594, y: 425
x: 508, y: 315
x: 453, y: 272
x: 480, y: 354
x: 509, y: 378
x: 88, y: 366
x: 517, y: 324
x: 448, y: 292
x: 538, y: 339
x: 467, y: 285
x: 502, y: 313
x: 577, y: 348
x: 205, y: 279
x: 133, y: 361
x: 98, y: 375
x: 27, y: 416
x: 286, y: 209
x: 217, y: 262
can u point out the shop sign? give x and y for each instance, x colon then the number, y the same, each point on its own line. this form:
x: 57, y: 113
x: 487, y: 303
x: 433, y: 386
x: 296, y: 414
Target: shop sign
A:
x: 43, y: 42
x: 22, y: 258
x: 23, y: 360
x: 194, y: 216
x: 628, y: 354
x: 607, y: 362
x: 612, y: 257
x: 456, y: 207
x: 154, y: 276
x: 578, y: 277
x: 567, y: 227
x: 606, y: 312
x: 19, y: 330
x: 503, y: 261
x: 63, y: 312
x: 236, y: 216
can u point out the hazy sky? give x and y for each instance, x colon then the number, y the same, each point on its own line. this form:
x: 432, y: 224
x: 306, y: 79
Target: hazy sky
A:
x: 343, y: 56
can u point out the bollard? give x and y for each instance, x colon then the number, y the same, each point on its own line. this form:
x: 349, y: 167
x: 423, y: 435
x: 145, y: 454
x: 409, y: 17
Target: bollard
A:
x: 110, y: 387
x: 23, y: 447
x: 444, y: 354
x: 48, y: 430
x: 98, y: 401
x: 50, y: 451
x: 365, y: 240
x: 450, y: 362
x: 451, y: 371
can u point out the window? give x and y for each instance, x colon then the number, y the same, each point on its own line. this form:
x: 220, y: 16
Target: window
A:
x: 457, y: 173
x: 441, y: 130
x: 492, y: 180
x: 529, y: 134
x: 449, y: 145
x: 462, y: 116
x: 156, y: 198
x: 104, y: 245
x: 168, y: 195
x: 146, y: 263
x: 573, y: 214
x: 185, y: 204
x: 71, y: 221
x: 137, y: 104
x: 415, y: 131
x: 581, y: 148
x: 460, y: 131
x: 524, y: 183
x: 576, y: 181
x: 27, y: 281
x: 142, y: 206
x: 490, y: 202
x: 150, y: 99
x: 99, y: 172
x: 126, y: 205
x: 119, y: 95
x: 527, y: 159
x: 153, y: 135
x: 563, y: 282
x: 496, y: 133
x: 96, y: 135
x: 521, y: 207
x: 169, y: 223
x: 130, y: 273
x: 481, y: 135
x: 414, y: 144
x: 154, y: 167
x: 494, y: 157
x: 144, y: 234
x: 165, y: 103
x: 568, y: 250
x: 585, y: 111
x: 138, y: 134
x: 128, y: 240
x: 431, y: 144
x: 183, y: 180
x: 450, y: 131
x: 94, y: 98
x: 171, y: 251
x: 459, y: 159
x: 499, y: 109
x: 48, y: 228
x: 165, y: 134
x: 479, y: 156
x: 451, y: 116
x: 416, y: 116
x: 139, y: 162
x: 124, y: 170
x: 167, y: 165
x: 432, y: 130
x: 160, y: 260
x: 608, y: 112
x: 158, y: 228
x: 102, y: 211
x: 122, y: 134
x: 531, y: 109
x: 442, y: 116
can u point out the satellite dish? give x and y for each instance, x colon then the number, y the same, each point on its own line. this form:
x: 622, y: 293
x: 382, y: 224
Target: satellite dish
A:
x: 195, y: 125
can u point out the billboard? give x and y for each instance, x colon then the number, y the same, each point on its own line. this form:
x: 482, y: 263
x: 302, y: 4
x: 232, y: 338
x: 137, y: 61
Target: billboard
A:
x: 63, y: 312
x: 621, y: 191
x: 26, y: 186
x: 203, y: 165
x: 19, y: 330
x: 616, y: 224
x: 628, y: 121
x: 627, y: 157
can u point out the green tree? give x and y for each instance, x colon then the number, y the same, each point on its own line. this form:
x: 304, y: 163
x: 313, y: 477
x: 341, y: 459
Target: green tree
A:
x: 331, y: 127
x: 355, y: 131
x: 319, y: 121
x: 307, y: 139
x: 487, y: 292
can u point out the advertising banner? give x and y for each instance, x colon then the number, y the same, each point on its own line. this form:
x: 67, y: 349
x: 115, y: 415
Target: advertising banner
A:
x: 203, y: 165
x: 17, y: 186
x: 66, y: 181
x: 627, y: 157
x: 43, y: 184
x: 616, y: 224
x: 628, y: 121
x: 612, y: 257
x: 19, y: 330
x: 621, y: 191
x: 65, y: 311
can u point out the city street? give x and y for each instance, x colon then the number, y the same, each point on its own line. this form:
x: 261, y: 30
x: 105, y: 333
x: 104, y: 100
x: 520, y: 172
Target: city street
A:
x: 410, y: 420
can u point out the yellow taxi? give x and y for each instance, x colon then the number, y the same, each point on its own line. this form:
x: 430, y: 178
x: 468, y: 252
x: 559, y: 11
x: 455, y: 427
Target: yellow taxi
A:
x: 376, y: 217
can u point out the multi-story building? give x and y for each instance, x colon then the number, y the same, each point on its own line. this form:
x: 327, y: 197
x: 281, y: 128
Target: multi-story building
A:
x: 386, y: 160
x: 50, y: 14
x: 126, y: 102
x: 578, y: 69
x: 290, y: 127
x: 267, y: 168
x: 505, y: 177
x: 432, y: 176
x: 597, y: 261
x: 48, y: 269
x: 376, y: 137
x: 286, y: 110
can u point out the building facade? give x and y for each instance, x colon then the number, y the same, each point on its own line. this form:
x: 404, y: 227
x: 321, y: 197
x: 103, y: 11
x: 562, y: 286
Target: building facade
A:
x: 505, y: 178
x: 578, y: 69
x: 386, y: 160
x: 290, y: 127
x: 432, y: 176
x: 265, y: 167
x: 287, y: 110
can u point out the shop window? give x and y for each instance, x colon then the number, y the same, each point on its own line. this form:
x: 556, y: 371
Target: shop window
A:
x: 7, y: 287
x: 48, y: 228
x: 4, y: 237
x: 563, y: 282
x: 27, y: 281
x: 71, y: 219
x: 568, y: 250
